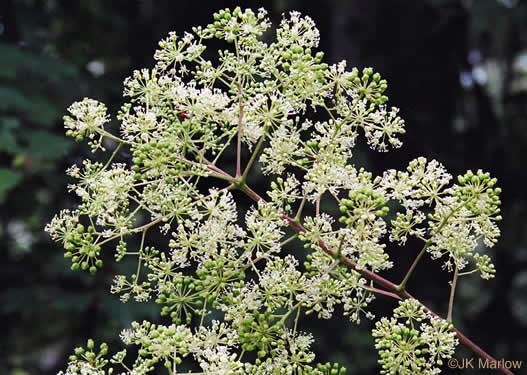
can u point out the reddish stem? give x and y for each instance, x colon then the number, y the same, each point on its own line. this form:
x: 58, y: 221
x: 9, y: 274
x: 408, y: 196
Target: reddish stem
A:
x: 380, y: 291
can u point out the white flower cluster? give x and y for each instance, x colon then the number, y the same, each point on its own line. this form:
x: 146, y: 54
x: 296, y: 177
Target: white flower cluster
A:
x: 81, y: 368
x: 462, y: 216
x: 183, y: 117
x: 89, y: 117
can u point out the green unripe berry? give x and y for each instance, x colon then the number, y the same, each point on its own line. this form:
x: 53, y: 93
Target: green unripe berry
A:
x: 79, y: 351
x: 103, y: 349
x: 90, y: 344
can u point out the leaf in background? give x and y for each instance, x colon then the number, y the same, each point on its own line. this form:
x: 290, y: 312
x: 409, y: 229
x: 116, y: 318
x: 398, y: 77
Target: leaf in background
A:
x: 13, y: 100
x: 47, y: 146
x: 8, y: 180
x: 43, y: 111
x: 36, y: 109
x: 17, y: 62
x: 8, y: 142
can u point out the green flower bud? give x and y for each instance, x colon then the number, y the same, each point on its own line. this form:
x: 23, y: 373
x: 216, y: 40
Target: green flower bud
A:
x: 90, y: 344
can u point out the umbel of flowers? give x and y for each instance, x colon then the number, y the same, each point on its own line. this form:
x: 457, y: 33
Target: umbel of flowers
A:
x: 232, y: 292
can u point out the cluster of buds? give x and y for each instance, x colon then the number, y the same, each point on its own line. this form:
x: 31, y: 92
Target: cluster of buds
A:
x: 82, y: 250
x: 363, y: 205
x: 372, y: 89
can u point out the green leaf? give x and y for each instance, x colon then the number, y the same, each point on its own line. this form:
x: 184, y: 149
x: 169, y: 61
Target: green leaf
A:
x: 44, y: 145
x: 8, y: 180
x: 43, y: 112
x: 36, y: 109
x: 18, y: 63
x: 13, y: 100
x: 8, y: 142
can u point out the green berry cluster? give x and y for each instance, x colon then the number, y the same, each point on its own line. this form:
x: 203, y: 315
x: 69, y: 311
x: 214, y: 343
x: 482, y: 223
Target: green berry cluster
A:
x: 416, y: 346
x: 260, y: 332
x: 329, y: 369
x: 369, y: 85
x: 120, y: 250
x: 300, y: 61
x: 183, y: 300
x: 188, y: 296
x: 158, y: 343
x: 409, y: 348
x: 228, y: 25
x: 484, y: 266
x: 219, y: 275
x: 157, y: 159
x: 311, y: 270
x: 320, y: 369
x: 81, y: 248
x: 363, y: 205
x: 478, y: 191
x: 95, y: 359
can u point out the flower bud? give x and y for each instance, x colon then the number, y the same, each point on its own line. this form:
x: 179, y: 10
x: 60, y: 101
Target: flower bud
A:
x: 90, y: 344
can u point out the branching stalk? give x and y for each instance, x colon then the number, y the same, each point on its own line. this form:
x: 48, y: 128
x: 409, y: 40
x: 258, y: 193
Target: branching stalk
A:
x: 402, y: 285
x: 254, y: 154
x: 452, y: 292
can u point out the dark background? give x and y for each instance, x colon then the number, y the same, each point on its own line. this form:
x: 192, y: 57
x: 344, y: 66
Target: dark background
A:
x: 457, y: 69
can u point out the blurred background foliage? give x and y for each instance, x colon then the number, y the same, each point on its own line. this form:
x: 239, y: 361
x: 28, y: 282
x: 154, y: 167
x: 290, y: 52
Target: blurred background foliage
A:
x: 456, y: 68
